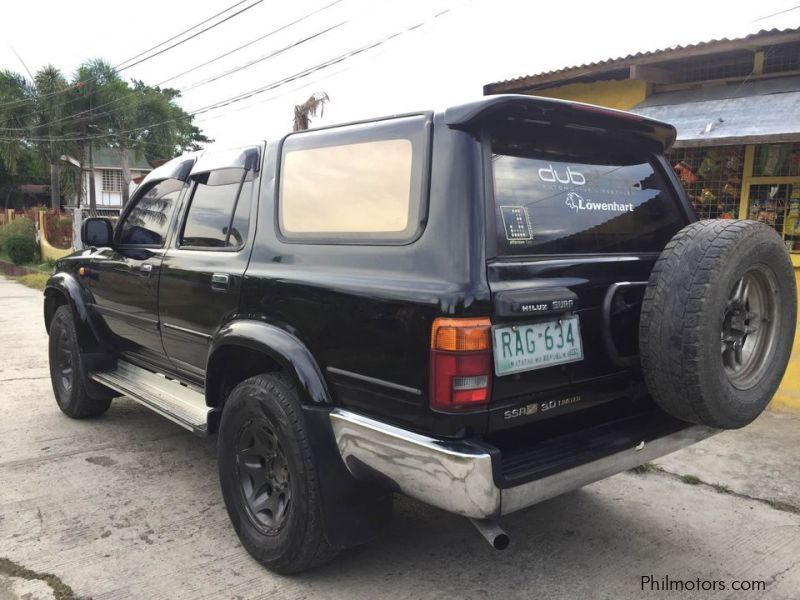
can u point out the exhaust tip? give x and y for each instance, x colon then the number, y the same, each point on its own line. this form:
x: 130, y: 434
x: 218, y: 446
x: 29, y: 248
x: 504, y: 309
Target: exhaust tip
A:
x: 501, y: 541
x: 492, y: 533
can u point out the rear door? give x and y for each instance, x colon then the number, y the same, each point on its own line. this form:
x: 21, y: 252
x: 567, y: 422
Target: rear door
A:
x: 577, y: 227
x: 202, y: 270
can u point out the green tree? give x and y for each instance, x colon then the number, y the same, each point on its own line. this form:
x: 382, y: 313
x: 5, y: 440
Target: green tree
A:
x: 150, y: 122
x: 48, y: 127
x: 136, y: 118
x: 15, y: 97
x: 95, y: 86
x: 51, y: 117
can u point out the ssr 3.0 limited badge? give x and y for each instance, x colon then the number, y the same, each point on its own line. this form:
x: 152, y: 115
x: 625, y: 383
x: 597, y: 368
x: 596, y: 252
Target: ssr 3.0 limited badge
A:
x: 536, y: 407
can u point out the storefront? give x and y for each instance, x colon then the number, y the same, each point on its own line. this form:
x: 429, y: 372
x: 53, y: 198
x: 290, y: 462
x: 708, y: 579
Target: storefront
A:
x: 759, y: 182
x: 736, y: 107
x: 738, y: 151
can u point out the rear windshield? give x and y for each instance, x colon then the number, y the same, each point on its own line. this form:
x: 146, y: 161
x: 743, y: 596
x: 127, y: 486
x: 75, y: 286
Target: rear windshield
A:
x: 565, y: 204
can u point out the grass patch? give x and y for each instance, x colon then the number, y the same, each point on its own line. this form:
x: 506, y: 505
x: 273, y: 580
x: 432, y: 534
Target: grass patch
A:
x: 645, y: 468
x: 34, y: 280
x: 720, y: 488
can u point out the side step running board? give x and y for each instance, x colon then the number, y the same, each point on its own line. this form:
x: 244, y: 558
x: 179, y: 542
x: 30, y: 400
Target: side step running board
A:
x: 183, y: 405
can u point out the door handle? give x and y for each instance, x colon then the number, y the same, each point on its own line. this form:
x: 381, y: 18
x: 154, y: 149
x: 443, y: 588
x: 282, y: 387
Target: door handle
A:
x: 146, y: 268
x: 220, y: 281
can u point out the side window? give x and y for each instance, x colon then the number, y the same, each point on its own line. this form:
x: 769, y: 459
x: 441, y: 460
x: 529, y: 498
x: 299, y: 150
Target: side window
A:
x: 147, y: 222
x: 354, y: 184
x: 219, y: 210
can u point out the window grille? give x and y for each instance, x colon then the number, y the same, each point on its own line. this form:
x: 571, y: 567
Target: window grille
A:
x: 712, y: 177
x: 112, y: 181
x: 726, y: 66
x: 785, y: 57
x: 777, y: 205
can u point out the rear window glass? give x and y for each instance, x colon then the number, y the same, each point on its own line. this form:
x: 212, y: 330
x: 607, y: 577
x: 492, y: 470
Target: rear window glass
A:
x: 354, y: 183
x: 548, y: 205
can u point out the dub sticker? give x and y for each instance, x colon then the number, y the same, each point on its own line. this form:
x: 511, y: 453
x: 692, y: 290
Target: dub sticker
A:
x: 517, y: 224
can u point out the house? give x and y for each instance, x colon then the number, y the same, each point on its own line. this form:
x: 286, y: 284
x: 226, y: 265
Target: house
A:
x: 108, y: 176
x: 736, y: 106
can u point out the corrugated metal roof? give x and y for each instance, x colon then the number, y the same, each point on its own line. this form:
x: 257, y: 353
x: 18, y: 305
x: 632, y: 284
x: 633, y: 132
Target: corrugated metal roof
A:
x: 611, y: 63
x: 762, y: 112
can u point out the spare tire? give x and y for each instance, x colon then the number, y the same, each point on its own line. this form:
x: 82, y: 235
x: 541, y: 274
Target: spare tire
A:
x: 717, y: 322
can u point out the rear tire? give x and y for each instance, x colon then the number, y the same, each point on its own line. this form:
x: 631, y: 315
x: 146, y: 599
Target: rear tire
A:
x: 718, y: 322
x: 268, y: 478
x: 67, y: 372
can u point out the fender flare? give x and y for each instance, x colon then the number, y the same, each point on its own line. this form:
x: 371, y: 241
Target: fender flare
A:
x: 354, y: 512
x: 66, y: 285
x: 282, y: 346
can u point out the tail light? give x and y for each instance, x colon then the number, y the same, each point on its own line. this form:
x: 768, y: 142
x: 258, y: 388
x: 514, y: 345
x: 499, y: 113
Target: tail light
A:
x: 461, y: 363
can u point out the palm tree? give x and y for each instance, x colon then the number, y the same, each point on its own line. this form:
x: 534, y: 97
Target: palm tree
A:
x: 303, y: 112
x: 50, y: 102
x: 15, y: 116
x: 100, y: 94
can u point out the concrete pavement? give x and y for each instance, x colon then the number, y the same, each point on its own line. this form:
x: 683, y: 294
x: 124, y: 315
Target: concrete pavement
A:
x: 128, y: 506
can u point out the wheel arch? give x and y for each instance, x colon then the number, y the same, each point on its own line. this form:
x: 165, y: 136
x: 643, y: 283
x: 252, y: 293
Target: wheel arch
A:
x: 62, y: 289
x: 245, y: 348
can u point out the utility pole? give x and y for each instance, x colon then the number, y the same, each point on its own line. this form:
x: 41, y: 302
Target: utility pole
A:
x: 92, y: 192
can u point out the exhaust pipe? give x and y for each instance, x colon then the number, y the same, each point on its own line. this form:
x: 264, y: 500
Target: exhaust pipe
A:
x: 494, y: 534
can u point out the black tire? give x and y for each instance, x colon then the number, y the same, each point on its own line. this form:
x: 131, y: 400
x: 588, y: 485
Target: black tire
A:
x: 67, y: 372
x: 289, y: 539
x: 718, y: 321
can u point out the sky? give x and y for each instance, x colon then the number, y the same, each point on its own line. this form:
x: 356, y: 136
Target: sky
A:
x: 460, y: 46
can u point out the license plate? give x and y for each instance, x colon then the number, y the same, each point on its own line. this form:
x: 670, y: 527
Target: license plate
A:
x: 536, y: 345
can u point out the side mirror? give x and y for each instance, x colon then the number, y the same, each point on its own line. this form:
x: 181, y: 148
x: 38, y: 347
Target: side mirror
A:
x: 97, y: 232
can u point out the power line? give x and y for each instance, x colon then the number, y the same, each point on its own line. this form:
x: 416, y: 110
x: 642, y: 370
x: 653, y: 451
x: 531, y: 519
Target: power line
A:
x: 91, y: 111
x: 240, y: 97
x: 259, y: 59
x: 191, y: 37
x: 318, y: 67
x: 177, y: 35
x: 118, y: 67
x: 251, y: 42
x: 777, y: 13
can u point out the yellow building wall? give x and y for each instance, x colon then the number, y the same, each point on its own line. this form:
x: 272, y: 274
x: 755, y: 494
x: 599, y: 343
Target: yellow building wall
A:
x: 788, y: 395
x: 621, y: 94
x: 47, y: 250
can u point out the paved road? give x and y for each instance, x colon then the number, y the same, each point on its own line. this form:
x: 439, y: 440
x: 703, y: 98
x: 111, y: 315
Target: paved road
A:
x: 127, y: 506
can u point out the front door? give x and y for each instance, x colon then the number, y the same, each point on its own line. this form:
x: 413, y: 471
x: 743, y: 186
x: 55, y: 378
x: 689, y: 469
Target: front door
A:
x: 123, y: 279
x: 202, y: 271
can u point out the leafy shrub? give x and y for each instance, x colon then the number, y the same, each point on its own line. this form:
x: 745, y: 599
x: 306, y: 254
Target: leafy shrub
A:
x: 21, y: 249
x: 19, y: 226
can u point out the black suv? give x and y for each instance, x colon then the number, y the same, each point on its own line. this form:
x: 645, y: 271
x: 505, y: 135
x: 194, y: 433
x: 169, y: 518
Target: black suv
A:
x: 481, y: 308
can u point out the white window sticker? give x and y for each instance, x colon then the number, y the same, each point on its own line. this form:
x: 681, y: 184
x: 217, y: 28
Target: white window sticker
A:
x: 517, y: 224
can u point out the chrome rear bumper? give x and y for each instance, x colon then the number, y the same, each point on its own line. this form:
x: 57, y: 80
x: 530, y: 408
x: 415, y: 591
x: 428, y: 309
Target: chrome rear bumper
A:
x: 457, y: 476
